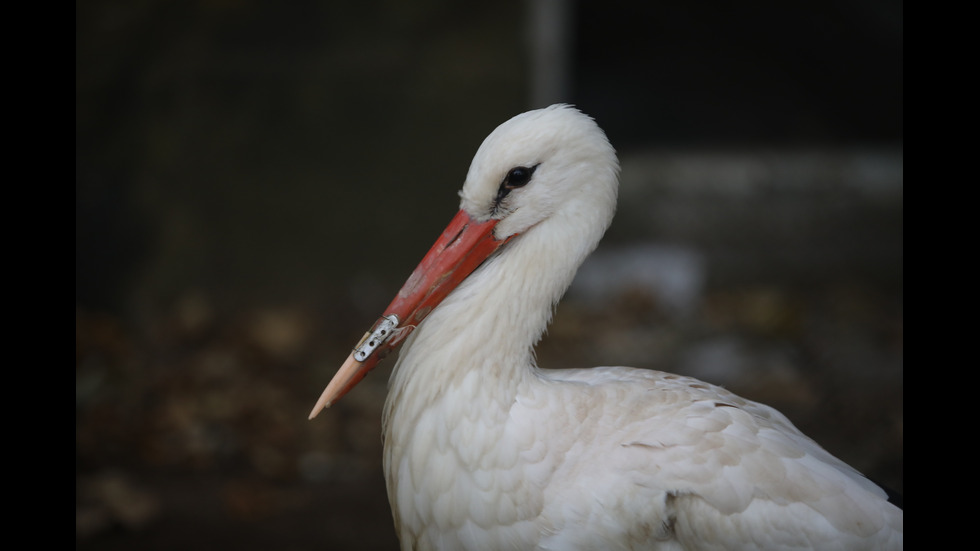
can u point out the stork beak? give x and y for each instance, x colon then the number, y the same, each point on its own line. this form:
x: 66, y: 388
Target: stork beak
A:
x: 463, y: 245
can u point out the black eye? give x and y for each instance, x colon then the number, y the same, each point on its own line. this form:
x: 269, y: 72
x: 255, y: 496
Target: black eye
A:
x: 518, y: 176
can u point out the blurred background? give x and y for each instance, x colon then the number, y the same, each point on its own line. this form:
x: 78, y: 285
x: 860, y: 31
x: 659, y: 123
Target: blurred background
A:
x: 254, y: 181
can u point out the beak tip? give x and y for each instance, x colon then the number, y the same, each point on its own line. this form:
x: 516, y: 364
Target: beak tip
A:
x: 316, y: 411
x: 321, y: 405
x: 347, y: 376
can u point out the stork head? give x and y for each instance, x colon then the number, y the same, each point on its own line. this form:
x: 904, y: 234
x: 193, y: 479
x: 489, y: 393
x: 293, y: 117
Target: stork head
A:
x: 539, y: 163
x: 550, y: 168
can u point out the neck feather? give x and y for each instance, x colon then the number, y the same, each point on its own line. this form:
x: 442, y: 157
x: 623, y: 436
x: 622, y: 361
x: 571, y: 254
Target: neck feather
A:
x: 477, y: 346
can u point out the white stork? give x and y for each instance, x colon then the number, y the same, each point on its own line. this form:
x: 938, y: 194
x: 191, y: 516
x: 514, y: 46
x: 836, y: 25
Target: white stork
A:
x: 483, y: 450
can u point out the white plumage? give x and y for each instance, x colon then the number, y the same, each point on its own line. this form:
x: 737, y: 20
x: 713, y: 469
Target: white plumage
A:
x: 483, y: 450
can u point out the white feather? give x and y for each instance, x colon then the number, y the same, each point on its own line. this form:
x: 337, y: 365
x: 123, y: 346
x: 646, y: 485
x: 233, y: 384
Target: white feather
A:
x: 485, y: 451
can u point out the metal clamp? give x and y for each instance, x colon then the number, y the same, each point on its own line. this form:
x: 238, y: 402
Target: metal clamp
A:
x: 382, y: 331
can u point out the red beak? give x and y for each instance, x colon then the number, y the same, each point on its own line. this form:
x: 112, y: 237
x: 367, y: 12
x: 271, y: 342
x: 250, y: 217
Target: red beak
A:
x: 463, y: 245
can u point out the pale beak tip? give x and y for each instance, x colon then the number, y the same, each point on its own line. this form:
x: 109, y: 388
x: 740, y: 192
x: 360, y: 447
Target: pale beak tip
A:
x: 321, y: 404
x: 339, y: 385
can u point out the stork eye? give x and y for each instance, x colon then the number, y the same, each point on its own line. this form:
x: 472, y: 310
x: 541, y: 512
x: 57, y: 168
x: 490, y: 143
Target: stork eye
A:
x: 519, y: 176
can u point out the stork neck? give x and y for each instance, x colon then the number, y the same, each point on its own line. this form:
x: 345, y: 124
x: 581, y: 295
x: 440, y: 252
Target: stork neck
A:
x: 485, y: 330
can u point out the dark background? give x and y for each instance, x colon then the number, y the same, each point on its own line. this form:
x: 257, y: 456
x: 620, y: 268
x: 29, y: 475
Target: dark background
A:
x: 254, y: 180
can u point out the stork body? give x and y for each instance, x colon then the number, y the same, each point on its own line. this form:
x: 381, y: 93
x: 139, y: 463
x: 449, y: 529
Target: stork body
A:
x: 483, y: 450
